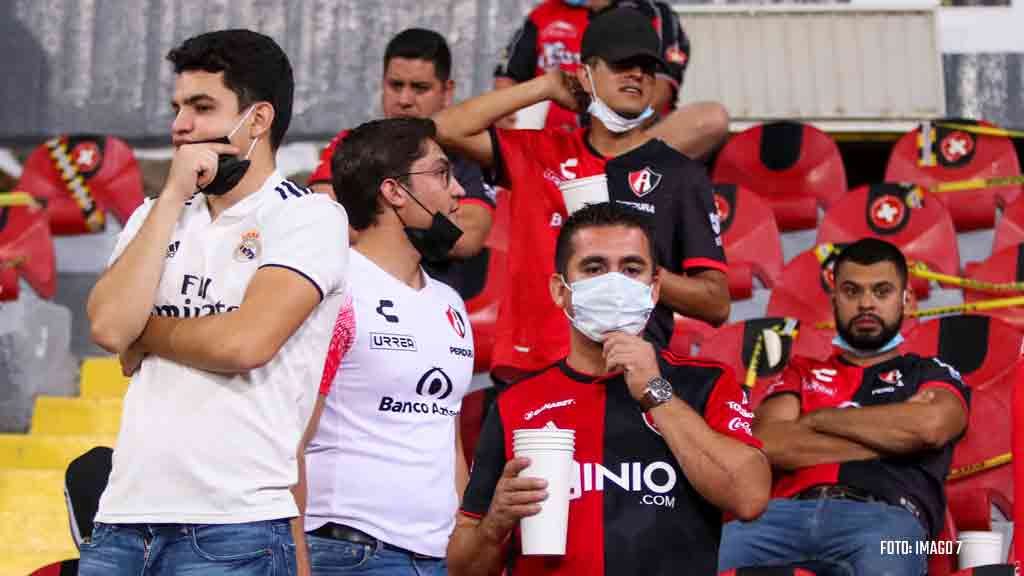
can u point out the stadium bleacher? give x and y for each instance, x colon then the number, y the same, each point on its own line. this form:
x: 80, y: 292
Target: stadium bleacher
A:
x: 756, y: 199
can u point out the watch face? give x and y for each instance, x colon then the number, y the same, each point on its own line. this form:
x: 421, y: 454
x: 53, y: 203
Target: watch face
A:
x: 661, y: 389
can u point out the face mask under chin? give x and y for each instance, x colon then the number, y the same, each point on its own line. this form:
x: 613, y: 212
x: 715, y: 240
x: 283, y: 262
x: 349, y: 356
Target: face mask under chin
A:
x: 435, y: 242
x: 230, y: 168
x: 866, y: 346
x: 611, y: 119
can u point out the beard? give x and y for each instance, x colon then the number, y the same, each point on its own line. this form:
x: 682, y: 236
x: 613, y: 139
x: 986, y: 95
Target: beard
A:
x: 869, y: 342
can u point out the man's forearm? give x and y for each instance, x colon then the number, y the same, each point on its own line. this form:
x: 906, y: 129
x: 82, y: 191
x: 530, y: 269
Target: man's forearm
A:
x: 791, y: 445
x: 458, y: 123
x: 695, y: 297
x: 475, y: 222
x: 211, y: 343
x: 694, y: 129
x: 122, y: 300
x: 472, y: 552
x: 733, y: 476
x: 901, y: 428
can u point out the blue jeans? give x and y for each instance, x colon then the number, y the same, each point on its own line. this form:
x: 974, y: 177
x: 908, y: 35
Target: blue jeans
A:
x: 329, y: 556
x: 264, y: 548
x: 843, y: 536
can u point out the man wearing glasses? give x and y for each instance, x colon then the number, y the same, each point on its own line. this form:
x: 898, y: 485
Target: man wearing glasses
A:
x: 384, y: 465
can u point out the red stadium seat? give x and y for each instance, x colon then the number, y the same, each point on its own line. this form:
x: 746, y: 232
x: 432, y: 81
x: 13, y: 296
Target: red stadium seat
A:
x: 483, y: 308
x: 959, y: 155
x: 82, y: 178
x: 25, y: 241
x: 804, y: 290
x: 1010, y: 229
x: 753, y: 246
x: 1004, y: 266
x: 944, y: 564
x: 794, y: 167
x: 734, y: 344
x: 921, y: 227
x: 768, y: 571
x: 986, y: 352
x: 689, y: 332
x: 9, y: 286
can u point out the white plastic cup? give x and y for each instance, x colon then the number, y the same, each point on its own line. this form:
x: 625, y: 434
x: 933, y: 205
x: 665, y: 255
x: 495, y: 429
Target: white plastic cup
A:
x: 980, y: 548
x: 583, y: 191
x: 533, y: 117
x: 545, y: 533
x: 543, y: 446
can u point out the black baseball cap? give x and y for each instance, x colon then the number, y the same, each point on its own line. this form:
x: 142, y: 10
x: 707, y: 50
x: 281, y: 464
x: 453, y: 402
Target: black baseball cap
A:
x: 620, y: 34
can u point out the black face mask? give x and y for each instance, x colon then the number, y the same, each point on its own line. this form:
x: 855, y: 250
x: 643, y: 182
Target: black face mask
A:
x: 230, y: 170
x: 436, y: 242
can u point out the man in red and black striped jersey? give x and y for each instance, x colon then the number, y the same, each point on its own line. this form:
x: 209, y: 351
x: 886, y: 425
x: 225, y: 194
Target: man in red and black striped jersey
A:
x: 863, y: 440
x: 663, y: 444
x: 649, y: 170
x: 551, y: 36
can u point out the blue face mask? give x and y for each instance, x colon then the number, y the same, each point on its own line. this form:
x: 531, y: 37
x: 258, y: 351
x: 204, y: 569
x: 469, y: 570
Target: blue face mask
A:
x: 576, y: 2
x: 840, y: 342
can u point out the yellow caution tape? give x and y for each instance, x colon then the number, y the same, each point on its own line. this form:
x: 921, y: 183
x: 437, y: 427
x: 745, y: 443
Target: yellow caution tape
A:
x: 978, y: 467
x: 958, y: 309
x: 920, y: 270
x: 18, y: 199
x: 755, y: 359
x: 985, y: 130
x: 976, y: 184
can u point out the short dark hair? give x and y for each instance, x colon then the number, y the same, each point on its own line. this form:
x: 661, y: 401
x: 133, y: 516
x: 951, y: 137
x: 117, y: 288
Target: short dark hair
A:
x: 421, y: 44
x: 868, y: 251
x: 372, y: 153
x: 254, y: 66
x: 598, y: 216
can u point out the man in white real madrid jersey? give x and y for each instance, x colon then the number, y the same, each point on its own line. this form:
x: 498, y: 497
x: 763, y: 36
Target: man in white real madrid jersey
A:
x: 384, y: 466
x: 222, y: 304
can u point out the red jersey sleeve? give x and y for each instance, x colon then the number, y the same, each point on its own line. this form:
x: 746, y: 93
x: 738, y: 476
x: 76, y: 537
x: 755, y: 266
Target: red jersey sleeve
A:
x: 728, y: 410
x: 789, y: 381
x: 322, y: 174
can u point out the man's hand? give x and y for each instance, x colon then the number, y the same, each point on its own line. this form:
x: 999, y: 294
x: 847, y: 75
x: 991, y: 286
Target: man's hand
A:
x: 515, y: 498
x: 566, y: 90
x: 635, y: 356
x: 131, y: 359
x: 194, y: 166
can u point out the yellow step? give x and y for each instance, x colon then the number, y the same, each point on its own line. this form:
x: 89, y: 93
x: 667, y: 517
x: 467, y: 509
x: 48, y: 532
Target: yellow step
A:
x: 32, y: 491
x: 102, y: 378
x: 36, y: 533
x: 46, y: 451
x: 17, y: 563
x: 76, y: 416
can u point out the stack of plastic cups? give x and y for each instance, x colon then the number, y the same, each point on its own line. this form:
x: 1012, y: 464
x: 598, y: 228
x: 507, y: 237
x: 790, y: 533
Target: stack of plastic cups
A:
x: 550, y: 450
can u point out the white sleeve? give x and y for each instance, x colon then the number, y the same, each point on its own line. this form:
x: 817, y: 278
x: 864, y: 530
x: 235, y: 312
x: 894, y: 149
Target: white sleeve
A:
x: 131, y: 228
x: 309, y: 235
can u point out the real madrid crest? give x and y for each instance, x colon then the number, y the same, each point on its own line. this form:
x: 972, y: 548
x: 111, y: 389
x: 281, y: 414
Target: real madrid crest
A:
x: 249, y: 249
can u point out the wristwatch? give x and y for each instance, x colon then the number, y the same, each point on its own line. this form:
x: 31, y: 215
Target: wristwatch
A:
x: 658, y: 392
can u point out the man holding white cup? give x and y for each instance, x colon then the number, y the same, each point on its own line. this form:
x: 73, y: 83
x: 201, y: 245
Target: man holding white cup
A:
x: 662, y: 445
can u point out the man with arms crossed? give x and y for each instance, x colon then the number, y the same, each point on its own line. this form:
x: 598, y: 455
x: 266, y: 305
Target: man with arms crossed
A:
x: 220, y: 296
x: 648, y: 170
x: 384, y: 466
x: 862, y: 442
x: 663, y: 443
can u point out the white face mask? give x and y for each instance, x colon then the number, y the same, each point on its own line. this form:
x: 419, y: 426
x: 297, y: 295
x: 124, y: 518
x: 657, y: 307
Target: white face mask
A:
x: 610, y: 302
x: 611, y: 119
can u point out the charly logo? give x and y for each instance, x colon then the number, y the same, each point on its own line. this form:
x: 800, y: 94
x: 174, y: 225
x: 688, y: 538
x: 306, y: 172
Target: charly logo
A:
x: 172, y: 249
x: 249, y: 248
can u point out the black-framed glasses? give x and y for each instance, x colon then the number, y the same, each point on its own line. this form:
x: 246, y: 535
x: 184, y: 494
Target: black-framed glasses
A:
x: 445, y: 172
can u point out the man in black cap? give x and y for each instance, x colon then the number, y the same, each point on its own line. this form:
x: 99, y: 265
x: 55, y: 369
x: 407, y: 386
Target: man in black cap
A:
x: 648, y: 168
x: 550, y: 38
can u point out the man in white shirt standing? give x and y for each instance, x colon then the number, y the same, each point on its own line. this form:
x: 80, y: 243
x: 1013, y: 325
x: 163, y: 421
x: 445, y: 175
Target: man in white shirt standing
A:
x: 384, y: 466
x: 221, y: 298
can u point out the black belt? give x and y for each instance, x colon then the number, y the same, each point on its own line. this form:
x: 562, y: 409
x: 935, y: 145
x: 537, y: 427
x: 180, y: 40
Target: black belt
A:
x: 339, y: 532
x: 844, y: 492
x: 838, y: 492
